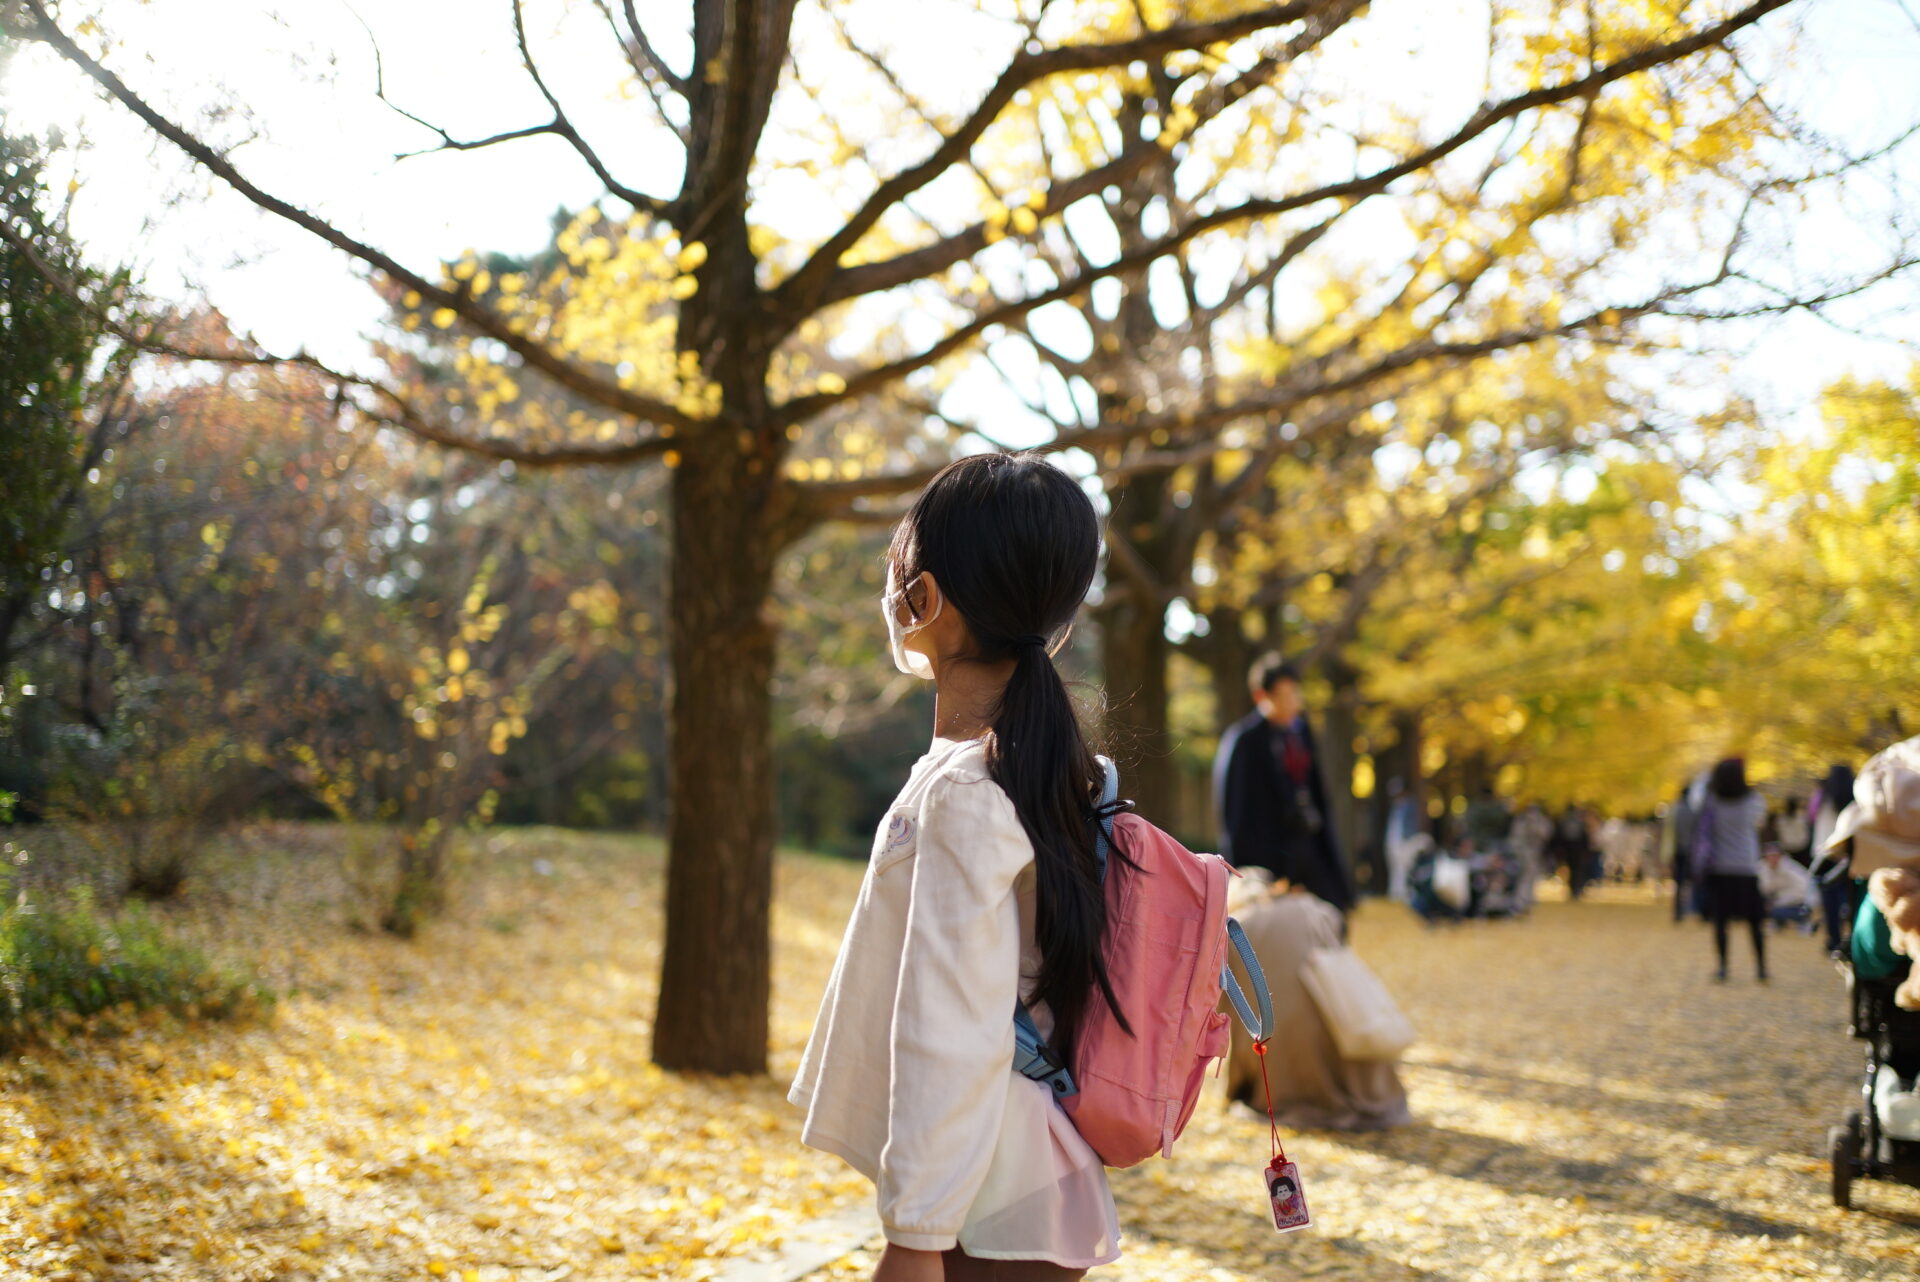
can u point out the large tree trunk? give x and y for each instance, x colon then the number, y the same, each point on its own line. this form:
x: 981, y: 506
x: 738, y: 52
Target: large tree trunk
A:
x: 730, y: 519
x: 714, y: 977
x: 1133, y: 655
x: 1398, y: 760
x: 1340, y: 723
x: 1134, y: 648
x: 1228, y: 653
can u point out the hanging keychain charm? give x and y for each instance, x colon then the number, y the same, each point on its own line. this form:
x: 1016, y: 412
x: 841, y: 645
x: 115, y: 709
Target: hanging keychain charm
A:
x: 1288, y: 1198
x: 1284, y: 1190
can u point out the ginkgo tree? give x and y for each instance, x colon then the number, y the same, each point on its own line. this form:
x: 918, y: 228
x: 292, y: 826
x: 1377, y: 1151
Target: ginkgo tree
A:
x: 1656, y: 609
x: 1270, y: 341
x: 1811, y: 621
x: 687, y: 298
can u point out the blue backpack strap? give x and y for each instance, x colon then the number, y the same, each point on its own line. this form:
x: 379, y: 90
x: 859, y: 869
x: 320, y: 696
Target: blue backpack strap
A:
x: 1103, y: 834
x: 1032, y: 1057
x: 1255, y: 976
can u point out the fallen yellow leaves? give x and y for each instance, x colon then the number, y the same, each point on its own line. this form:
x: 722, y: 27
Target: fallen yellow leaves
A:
x: 479, y: 1105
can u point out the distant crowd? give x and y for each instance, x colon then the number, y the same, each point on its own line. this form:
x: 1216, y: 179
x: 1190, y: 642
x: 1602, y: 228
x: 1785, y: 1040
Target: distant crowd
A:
x: 1489, y: 859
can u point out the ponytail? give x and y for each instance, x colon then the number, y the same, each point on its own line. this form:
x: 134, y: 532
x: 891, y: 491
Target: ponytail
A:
x: 1013, y: 543
x: 1040, y: 757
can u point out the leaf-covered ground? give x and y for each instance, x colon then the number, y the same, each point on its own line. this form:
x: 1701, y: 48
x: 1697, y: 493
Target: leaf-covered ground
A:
x: 478, y: 1104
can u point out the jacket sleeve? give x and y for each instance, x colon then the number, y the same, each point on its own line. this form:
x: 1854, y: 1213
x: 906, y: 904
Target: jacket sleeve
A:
x: 952, y: 1043
x: 1238, y: 841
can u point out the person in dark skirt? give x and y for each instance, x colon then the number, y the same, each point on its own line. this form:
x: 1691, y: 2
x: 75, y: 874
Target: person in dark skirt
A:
x: 1726, y: 856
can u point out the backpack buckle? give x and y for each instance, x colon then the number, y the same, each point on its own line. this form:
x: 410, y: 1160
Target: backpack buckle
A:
x: 1034, y: 1059
x: 1052, y: 1072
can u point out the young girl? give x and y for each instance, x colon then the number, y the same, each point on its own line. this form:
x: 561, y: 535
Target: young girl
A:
x: 982, y: 890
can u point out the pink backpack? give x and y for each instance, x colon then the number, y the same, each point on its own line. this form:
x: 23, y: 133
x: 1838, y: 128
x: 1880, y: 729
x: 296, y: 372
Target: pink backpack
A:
x: 1130, y: 1094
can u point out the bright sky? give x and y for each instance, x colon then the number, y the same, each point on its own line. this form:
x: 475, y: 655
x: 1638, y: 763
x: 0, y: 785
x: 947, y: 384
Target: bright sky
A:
x: 321, y: 138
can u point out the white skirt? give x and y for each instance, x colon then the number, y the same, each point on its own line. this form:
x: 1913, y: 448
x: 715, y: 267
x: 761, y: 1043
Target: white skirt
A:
x: 1045, y: 1196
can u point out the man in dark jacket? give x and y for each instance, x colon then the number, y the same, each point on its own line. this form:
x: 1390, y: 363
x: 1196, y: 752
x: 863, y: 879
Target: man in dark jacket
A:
x: 1270, y: 793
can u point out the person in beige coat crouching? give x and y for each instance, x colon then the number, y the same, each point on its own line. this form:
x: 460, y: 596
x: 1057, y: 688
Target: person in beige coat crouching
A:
x: 1313, y: 1087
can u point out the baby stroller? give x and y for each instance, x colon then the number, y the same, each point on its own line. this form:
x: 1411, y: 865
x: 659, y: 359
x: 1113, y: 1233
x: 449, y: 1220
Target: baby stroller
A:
x: 1496, y: 881
x: 1862, y: 1149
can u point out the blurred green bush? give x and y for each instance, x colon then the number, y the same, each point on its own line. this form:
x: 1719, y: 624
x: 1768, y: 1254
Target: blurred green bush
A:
x: 61, y: 965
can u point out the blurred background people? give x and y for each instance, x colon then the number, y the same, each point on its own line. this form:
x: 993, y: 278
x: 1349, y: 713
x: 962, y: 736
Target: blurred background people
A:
x: 1572, y: 847
x: 1794, y: 833
x: 1788, y: 890
x: 1532, y: 830
x: 1405, y: 836
x: 1682, y: 819
x: 1839, y: 897
x: 1487, y: 820
x: 1726, y: 852
x: 1270, y: 792
x: 1313, y: 1087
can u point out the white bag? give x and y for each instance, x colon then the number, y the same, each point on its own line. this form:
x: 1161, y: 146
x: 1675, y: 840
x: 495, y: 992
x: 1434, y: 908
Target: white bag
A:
x: 1452, y: 881
x: 1899, y: 1110
x: 1361, y: 1014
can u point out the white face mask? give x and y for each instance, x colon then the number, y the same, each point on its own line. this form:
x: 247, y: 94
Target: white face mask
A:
x: 911, y: 662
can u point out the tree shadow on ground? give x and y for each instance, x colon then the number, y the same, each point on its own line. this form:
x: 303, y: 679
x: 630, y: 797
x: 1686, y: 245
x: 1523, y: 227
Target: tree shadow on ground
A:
x: 1619, y: 1188
x: 1668, y: 1115
x: 1609, y: 1187
x: 1188, y: 1220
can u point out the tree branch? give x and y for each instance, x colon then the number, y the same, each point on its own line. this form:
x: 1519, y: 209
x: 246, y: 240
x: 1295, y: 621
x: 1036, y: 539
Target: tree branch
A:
x: 566, y: 374
x: 915, y: 264
x: 1026, y: 68
x: 564, y: 127
x: 401, y: 412
x: 636, y: 58
x: 447, y: 141
x: 658, y: 65
x: 804, y: 407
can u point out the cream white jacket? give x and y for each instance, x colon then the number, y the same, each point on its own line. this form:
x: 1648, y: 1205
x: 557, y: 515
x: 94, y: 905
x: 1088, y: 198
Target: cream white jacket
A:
x: 908, y: 1075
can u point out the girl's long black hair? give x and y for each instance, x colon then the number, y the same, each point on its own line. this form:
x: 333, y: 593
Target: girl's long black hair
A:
x: 1013, y: 541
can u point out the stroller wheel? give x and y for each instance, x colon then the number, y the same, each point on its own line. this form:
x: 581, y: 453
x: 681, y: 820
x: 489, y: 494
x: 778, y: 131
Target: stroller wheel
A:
x: 1842, y: 1146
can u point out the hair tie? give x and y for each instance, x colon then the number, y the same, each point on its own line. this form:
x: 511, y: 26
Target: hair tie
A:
x: 1031, y: 639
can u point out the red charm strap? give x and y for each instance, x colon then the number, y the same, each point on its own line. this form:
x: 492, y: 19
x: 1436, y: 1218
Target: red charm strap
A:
x: 1260, y: 1049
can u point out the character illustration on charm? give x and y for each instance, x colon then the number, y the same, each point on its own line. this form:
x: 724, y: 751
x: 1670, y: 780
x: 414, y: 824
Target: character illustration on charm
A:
x: 1289, y: 1203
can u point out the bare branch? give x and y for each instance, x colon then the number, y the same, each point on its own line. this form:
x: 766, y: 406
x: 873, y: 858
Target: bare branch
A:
x: 564, y: 127
x: 586, y: 383
x: 919, y: 263
x: 636, y: 58
x: 447, y: 141
x: 1025, y: 69
x: 806, y: 406
x: 906, y: 96
x: 400, y: 411
x: 658, y: 65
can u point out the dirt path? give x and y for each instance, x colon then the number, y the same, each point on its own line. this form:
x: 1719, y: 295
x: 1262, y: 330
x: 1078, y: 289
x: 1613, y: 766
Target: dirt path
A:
x: 479, y: 1105
x: 1588, y: 1105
